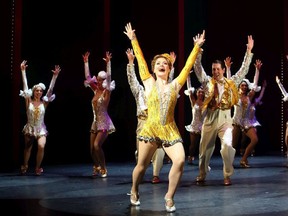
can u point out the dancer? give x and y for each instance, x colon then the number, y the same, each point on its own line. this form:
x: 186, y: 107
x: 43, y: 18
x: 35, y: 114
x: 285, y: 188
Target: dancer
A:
x: 285, y: 98
x: 160, y: 128
x: 102, y: 124
x: 142, y: 111
x: 35, y: 128
x: 220, y: 96
x: 242, y: 121
x: 195, y: 126
x: 257, y: 101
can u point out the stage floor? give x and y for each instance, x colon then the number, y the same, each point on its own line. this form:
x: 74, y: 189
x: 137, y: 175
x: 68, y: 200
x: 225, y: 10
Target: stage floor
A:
x: 66, y: 190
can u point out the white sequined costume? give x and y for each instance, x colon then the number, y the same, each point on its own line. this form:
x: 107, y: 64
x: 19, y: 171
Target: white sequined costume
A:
x: 244, y: 115
x: 197, y: 120
x: 101, y: 120
x: 35, y: 125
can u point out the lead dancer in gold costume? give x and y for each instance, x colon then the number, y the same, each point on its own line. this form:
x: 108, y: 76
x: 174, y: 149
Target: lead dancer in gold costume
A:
x: 160, y: 127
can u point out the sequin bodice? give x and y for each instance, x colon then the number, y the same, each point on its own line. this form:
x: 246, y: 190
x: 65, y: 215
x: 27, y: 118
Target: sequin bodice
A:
x: 101, y: 118
x: 35, y: 121
x: 160, y: 124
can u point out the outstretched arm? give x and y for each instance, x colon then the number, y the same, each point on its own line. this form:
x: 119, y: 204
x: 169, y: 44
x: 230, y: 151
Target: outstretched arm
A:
x: 89, y: 82
x: 26, y: 93
x: 228, y: 64
x: 283, y: 90
x: 136, y: 88
x: 49, y: 96
x: 171, y: 74
x: 131, y: 76
x: 258, y: 65
x: 190, y: 91
x: 198, y: 42
x: 258, y: 99
x: 107, y: 59
x: 143, y: 68
x: 242, y: 72
x: 86, y: 65
x: 23, y: 67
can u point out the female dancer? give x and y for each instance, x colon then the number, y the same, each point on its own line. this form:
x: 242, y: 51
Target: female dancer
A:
x: 197, y: 118
x: 160, y: 128
x: 35, y: 128
x: 102, y: 125
x: 242, y: 121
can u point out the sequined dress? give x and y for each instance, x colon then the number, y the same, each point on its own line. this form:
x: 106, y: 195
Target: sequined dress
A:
x: 160, y: 125
x: 197, y: 120
x: 35, y: 125
x: 101, y: 120
x: 243, y: 115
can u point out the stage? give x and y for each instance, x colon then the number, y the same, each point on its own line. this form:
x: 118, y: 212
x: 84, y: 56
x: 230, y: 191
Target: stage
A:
x: 66, y: 190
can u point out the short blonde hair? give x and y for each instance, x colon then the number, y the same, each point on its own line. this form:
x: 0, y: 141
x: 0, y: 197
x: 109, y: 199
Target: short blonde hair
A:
x: 164, y: 55
x: 39, y: 85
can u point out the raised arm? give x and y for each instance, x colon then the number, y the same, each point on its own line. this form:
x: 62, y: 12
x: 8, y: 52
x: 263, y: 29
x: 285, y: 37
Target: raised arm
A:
x: 283, y: 90
x: 242, y: 72
x: 26, y: 93
x: 259, y: 98
x: 107, y: 59
x: 258, y: 65
x: 136, y: 88
x: 49, y: 96
x: 89, y: 82
x: 131, y: 76
x: 23, y: 67
x: 143, y: 67
x: 171, y: 74
x: 228, y: 64
x: 86, y: 65
x: 190, y: 91
x: 198, y: 42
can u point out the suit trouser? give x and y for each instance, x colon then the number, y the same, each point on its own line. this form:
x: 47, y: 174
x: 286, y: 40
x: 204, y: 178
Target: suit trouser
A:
x: 157, y: 161
x: 217, y: 122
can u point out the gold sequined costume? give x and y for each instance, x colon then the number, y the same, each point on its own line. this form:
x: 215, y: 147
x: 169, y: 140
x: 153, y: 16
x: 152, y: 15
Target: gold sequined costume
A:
x: 160, y: 126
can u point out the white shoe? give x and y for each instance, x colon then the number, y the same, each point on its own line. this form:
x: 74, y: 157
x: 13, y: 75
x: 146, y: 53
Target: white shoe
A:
x: 134, y: 203
x: 170, y: 208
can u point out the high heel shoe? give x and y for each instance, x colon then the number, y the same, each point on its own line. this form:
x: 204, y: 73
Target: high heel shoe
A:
x: 190, y: 160
x: 96, y: 171
x: 38, y: 171
x: 170, y: 208
x: 136, y: 197
x: 24, y: 169
x: 244, y: 164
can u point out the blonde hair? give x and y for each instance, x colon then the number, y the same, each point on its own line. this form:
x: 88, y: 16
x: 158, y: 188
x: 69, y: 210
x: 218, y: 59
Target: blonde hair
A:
x: 164, y: 55
x: 40, y: 85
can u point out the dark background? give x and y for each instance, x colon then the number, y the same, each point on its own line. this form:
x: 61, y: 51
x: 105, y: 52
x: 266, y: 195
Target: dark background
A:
x: 46, y: 33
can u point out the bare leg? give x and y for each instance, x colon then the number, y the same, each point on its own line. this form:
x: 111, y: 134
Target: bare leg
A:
x: 40, y: 151
x: 243, y: 143
x: 27, y: 149
x: 194, y: 143
x: 157, y: 162
x: 252, y: 134
x: 92, y: 150
x: 146, y: 151
x: 177, y: 155
x: 97, y: 146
